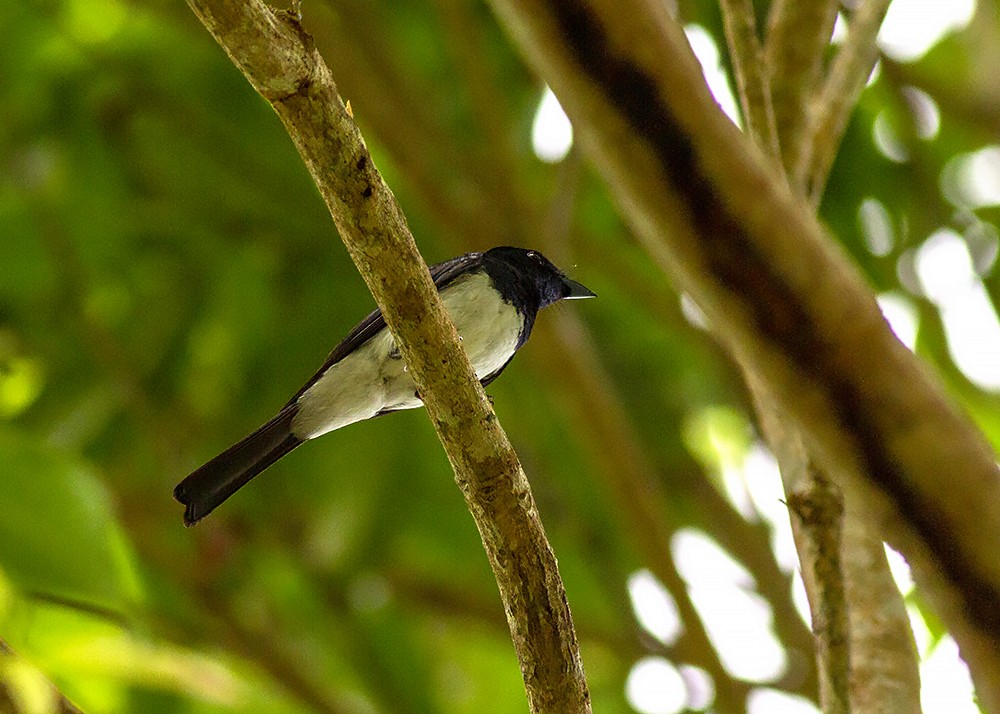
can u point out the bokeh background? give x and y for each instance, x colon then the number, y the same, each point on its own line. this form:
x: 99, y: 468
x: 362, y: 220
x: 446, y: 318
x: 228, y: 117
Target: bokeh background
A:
x: 169, y: 277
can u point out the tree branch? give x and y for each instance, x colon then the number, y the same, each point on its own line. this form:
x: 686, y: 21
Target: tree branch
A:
x: 780, y: 296
x: 865, y: 651
x: 752, y: 80
x: 885, y: 675
x: 866, y: 654
x: 816, y: 509
x: 280, y: 61
x: 833, y: 107
x: 798, y: 34
x: 843, y: 562
x: 818, y: 519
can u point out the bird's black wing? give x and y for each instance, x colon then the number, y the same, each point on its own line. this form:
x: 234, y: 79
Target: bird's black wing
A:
x: 207, y: 487
x: 442, y: 274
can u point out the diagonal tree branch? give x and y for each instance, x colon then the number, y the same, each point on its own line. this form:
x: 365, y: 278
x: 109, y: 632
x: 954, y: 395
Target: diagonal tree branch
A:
x: 816, y: 511
x: 781, y: 297
x: 885, y: 670
x: 280, y: 61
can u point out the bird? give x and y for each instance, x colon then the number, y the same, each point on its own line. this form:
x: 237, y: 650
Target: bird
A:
x: 492, y: 297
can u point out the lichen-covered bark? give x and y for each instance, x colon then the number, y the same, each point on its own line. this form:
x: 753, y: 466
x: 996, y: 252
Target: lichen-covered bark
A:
x: 279, y: 60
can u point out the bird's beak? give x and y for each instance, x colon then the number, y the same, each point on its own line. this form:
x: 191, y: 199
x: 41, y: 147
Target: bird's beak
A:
x: 577, y: 291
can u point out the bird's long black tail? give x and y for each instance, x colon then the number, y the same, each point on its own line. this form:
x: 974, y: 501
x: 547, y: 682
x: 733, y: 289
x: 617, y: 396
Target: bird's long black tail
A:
x: 224, y: 475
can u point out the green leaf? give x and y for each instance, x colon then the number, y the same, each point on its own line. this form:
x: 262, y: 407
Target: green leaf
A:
x: 58, y: 534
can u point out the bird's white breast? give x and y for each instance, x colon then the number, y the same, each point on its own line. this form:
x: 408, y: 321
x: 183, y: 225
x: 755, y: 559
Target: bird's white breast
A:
x: 373, y: 378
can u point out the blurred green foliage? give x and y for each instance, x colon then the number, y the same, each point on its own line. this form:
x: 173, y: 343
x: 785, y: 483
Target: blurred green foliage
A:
x: 168, y: 277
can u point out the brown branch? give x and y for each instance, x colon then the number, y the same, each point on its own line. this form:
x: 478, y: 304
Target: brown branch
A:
x: 833, y: 107
x: 832, y: 543
x: 816, y: 507
x: 885, y: 674
x: 280, y: 61
x: 866, y: 648
x: 798, y: 34
x: 815, y: 504
x: 781, y: 297
x: 752, y: 79
x: 866, y: 654
x: 818, y: 516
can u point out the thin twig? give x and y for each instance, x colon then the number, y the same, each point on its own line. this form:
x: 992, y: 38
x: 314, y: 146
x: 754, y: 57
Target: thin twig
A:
x: 832, y: 109
x: 281, y: 62
x: 798, y: 34
x: 752, y: 80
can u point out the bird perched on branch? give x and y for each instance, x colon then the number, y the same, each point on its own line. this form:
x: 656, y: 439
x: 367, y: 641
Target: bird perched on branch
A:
x: 491, y: 297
